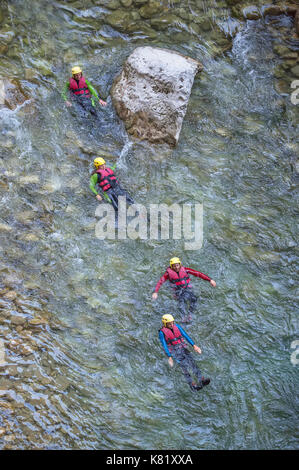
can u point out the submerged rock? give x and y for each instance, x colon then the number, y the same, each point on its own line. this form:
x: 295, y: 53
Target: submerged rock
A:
x: 6, y: 36
x: 26, y: 217
x: 29, y: 237
x: 152, y: 92
x: 121, y: 20
x: 291, y: 9
x: 10, y: 295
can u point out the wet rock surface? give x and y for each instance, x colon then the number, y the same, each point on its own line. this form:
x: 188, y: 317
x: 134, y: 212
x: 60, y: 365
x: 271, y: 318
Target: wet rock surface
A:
x: 151, y: 94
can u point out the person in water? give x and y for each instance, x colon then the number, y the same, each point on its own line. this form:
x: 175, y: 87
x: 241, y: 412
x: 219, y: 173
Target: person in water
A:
x: 104, y: 178
x: 172, y: 337
x: 178, y: 276
x: 81, y: 92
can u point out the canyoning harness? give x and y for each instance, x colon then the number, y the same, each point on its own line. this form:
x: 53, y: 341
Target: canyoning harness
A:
x: 173, y: 337
x: 180, y: 279
x: 106, y: 179
x: 79, y: 87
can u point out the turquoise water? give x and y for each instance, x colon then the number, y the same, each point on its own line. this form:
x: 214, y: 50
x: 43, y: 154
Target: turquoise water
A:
x: 97, y: 377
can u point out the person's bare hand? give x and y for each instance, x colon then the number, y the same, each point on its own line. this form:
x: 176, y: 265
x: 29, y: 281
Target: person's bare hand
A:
x: 197, y: 349
x: 213, y: 283
x: 154, y: 296
x: 102, y: 103
x: 68, y: 103
x: 170, y: 362
x: 99, y: 198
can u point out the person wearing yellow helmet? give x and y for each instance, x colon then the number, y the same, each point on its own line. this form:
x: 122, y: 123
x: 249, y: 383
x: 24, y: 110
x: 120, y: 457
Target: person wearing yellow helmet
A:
x: 179, y: 278
x: 172, y: 337
x: 81, y: 92
x: 104, y: 179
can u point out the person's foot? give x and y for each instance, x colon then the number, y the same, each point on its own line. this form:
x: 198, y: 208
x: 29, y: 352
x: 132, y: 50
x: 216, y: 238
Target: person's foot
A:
x: 205, y: 381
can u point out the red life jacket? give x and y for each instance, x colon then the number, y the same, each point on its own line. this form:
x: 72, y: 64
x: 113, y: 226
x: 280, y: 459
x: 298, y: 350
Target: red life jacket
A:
x: 106, y: 179
x: 79, y: 88
x: 180, y: 279
x: 173, y: 337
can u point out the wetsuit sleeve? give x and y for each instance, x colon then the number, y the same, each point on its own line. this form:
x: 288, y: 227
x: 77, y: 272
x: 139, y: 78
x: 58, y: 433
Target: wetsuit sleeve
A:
x: 65, y: 91
x: 198, y: 274
x: 92, y: 90
x: 163, y: 342
x: 93, y: 182
x: 161, y: 281
x: 185, y: 335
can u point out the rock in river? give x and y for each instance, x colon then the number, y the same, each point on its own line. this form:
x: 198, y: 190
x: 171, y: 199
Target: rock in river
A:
x: 151, y: 94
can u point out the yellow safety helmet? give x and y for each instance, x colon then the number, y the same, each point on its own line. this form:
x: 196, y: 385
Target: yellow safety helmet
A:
x: 175, y: 261
x: 76, y: 70
x: 99, y: 162
x: 167, y: 319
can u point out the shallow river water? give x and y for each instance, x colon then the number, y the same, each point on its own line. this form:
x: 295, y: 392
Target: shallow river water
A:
x: 92, y: 374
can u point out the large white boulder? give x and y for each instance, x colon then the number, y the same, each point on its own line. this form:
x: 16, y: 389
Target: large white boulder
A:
x: 151, y: 94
